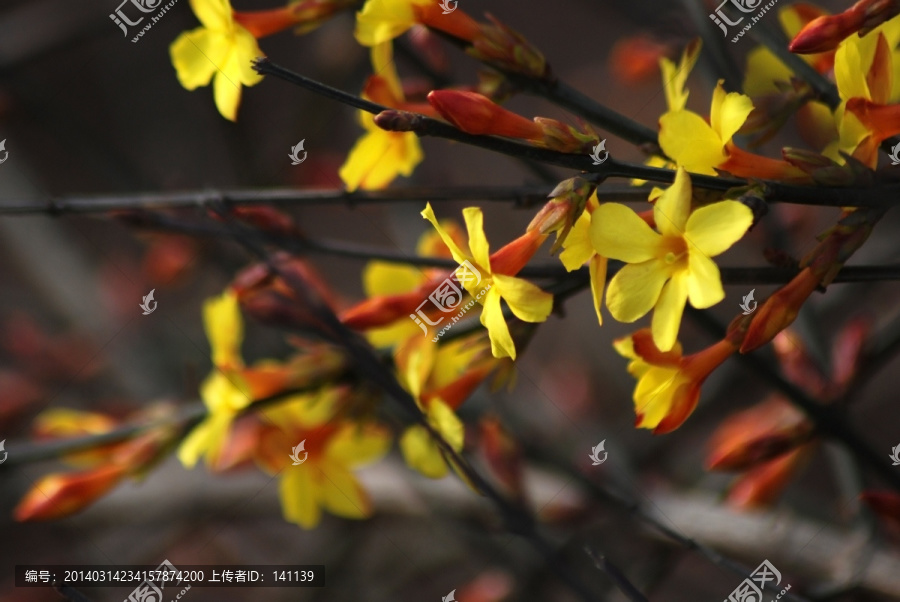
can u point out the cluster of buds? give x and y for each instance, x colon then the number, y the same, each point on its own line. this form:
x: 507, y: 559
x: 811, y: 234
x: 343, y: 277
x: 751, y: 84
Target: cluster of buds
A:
x: 476, y: 114
x: 567, y: 203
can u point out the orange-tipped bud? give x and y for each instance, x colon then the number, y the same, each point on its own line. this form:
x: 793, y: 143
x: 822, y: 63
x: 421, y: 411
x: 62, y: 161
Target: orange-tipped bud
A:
x: 305, y: 15
x: 825, y: 33
x: 757, y: 435
x: 763, y: 484
x: 456, y: 23
x: 503, y: 455
x: 635, y: 59
x: 745, y: 164
x: 59, y: 495
x: 506, y: 48
x: 474, y: 113
x: 780, y: 310
x: 567, y: 203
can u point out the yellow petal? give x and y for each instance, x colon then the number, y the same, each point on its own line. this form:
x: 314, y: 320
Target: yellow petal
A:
x: 851, y: 66
x: 577, y: 247
x: 298, y: 492
x: 379, y: 157
x: 383, y: 66
x: 207, y: 438
x: 763, y: 70
x: 224, y: 329
x: 728, y: 112
x: 458, y: 255
x: 598, y: 283
x: 654, y: 394
x: 214, y: 14
x: 667, y: 315
x: 711, y: 230
x: 672, y: 208
x: 704, y: 282
x: 691, y: 142
x: 635, y: 289
x: 340, y: 492
x: 383, y: 20
x: 421, y: 453
x: 381, y: 278
x: 246, y: 49
x: 527, y: 301
x: 227, y: 94
x: 492, y: 318
x: 478, y: 243
x: 618, y: 233
x: 675, y: 78
x: 442, y: 418
x: 196, y: 54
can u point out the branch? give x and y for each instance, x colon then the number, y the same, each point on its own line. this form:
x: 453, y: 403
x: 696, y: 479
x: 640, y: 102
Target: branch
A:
x: 617, y: 577
x: 876, y: 196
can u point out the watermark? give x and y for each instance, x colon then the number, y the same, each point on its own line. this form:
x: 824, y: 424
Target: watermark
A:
x: 895, y: 453
x: 595, y: 453
x: 595, y: 155
x: 5, y: 453
x: 751, y: 589
x: 6, y: 152
x: 295, y: 453
x: 449, y: 6
x: 295, y: 153
x: 447, y: 297
x: 150, y: 590
x: 451, y: 597
x: 895, y: 151
x: 745, y: 6
x: 145, y: 304
x: 142, y: 6
x: 746, y: 303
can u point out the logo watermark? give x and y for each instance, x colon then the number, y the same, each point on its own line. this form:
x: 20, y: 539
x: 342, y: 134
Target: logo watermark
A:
x: 451, y: 597
x: 745, y: 6
x: 295, y: 153
x: 5, y: 453
x: 746, y: 303
x: 449, y: 6
x: 595, y: 155
x: 6, y: 152
x: 151, y: 589
x: 447, y: 297
x: 751, y: 589
x: 895, y: 453
x: 295, y: 453
x: 143, y: 6
x: 595, y: 453
x: 145, y: 304
x: 895, y: 151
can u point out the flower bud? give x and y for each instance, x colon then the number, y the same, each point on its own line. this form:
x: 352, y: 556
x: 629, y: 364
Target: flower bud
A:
x: 476, y: 114
x: 780, y: 310
x: 567, y: 203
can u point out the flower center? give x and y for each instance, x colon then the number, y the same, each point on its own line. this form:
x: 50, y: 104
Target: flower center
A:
x: 675, y: 251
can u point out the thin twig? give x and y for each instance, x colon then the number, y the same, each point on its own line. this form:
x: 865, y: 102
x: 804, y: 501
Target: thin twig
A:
x: 617, y: 576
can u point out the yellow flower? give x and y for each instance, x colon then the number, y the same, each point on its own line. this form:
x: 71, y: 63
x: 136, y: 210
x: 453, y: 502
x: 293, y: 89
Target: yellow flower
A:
x: 578, y: 250
x: 324, y: 479
x: 526, y: 301
x: 381, y: 21
x: 669, y: 383
x: 221, y: 49
x: 668, y: 267
x: 231, y: 386
x: 380, y: 156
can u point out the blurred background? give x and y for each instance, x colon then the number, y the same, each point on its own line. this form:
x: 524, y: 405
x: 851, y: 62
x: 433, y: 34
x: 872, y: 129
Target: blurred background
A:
x: 85, y: 111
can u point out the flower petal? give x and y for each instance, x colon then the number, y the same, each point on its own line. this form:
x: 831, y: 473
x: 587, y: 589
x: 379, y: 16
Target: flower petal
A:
x: 196, y: 55
x: 297, y: 490
x: 492, y: 318
x: 714, y: 228
x: 672, y: 208
x: 704, y: 282
x: 421, y: 453
x: 340, y: 492
x: 619, y: 233
x: 224, y: 329
x: 227, y: 94
x: 597, y: 269
x: 458, y: 255
x: 667, y: 315
x: 214, y: 14
x: 691, y: 142
x: 478, y: 243
x: 728, y: 112
x: 527, y: 301
x: 636, y: 289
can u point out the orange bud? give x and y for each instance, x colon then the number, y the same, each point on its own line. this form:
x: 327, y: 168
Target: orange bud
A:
x: 757, y: 435
x: 59, y: 495
x: 745, y: 164
x: 476, y: 114
x: 262, y: 23
x: 780, y: 310
x: 457, y: 23
x: 825, y: 33
x: 566, y: 205
x: 635, y: 59
x: 762, y: 485
x: 503, y: 454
